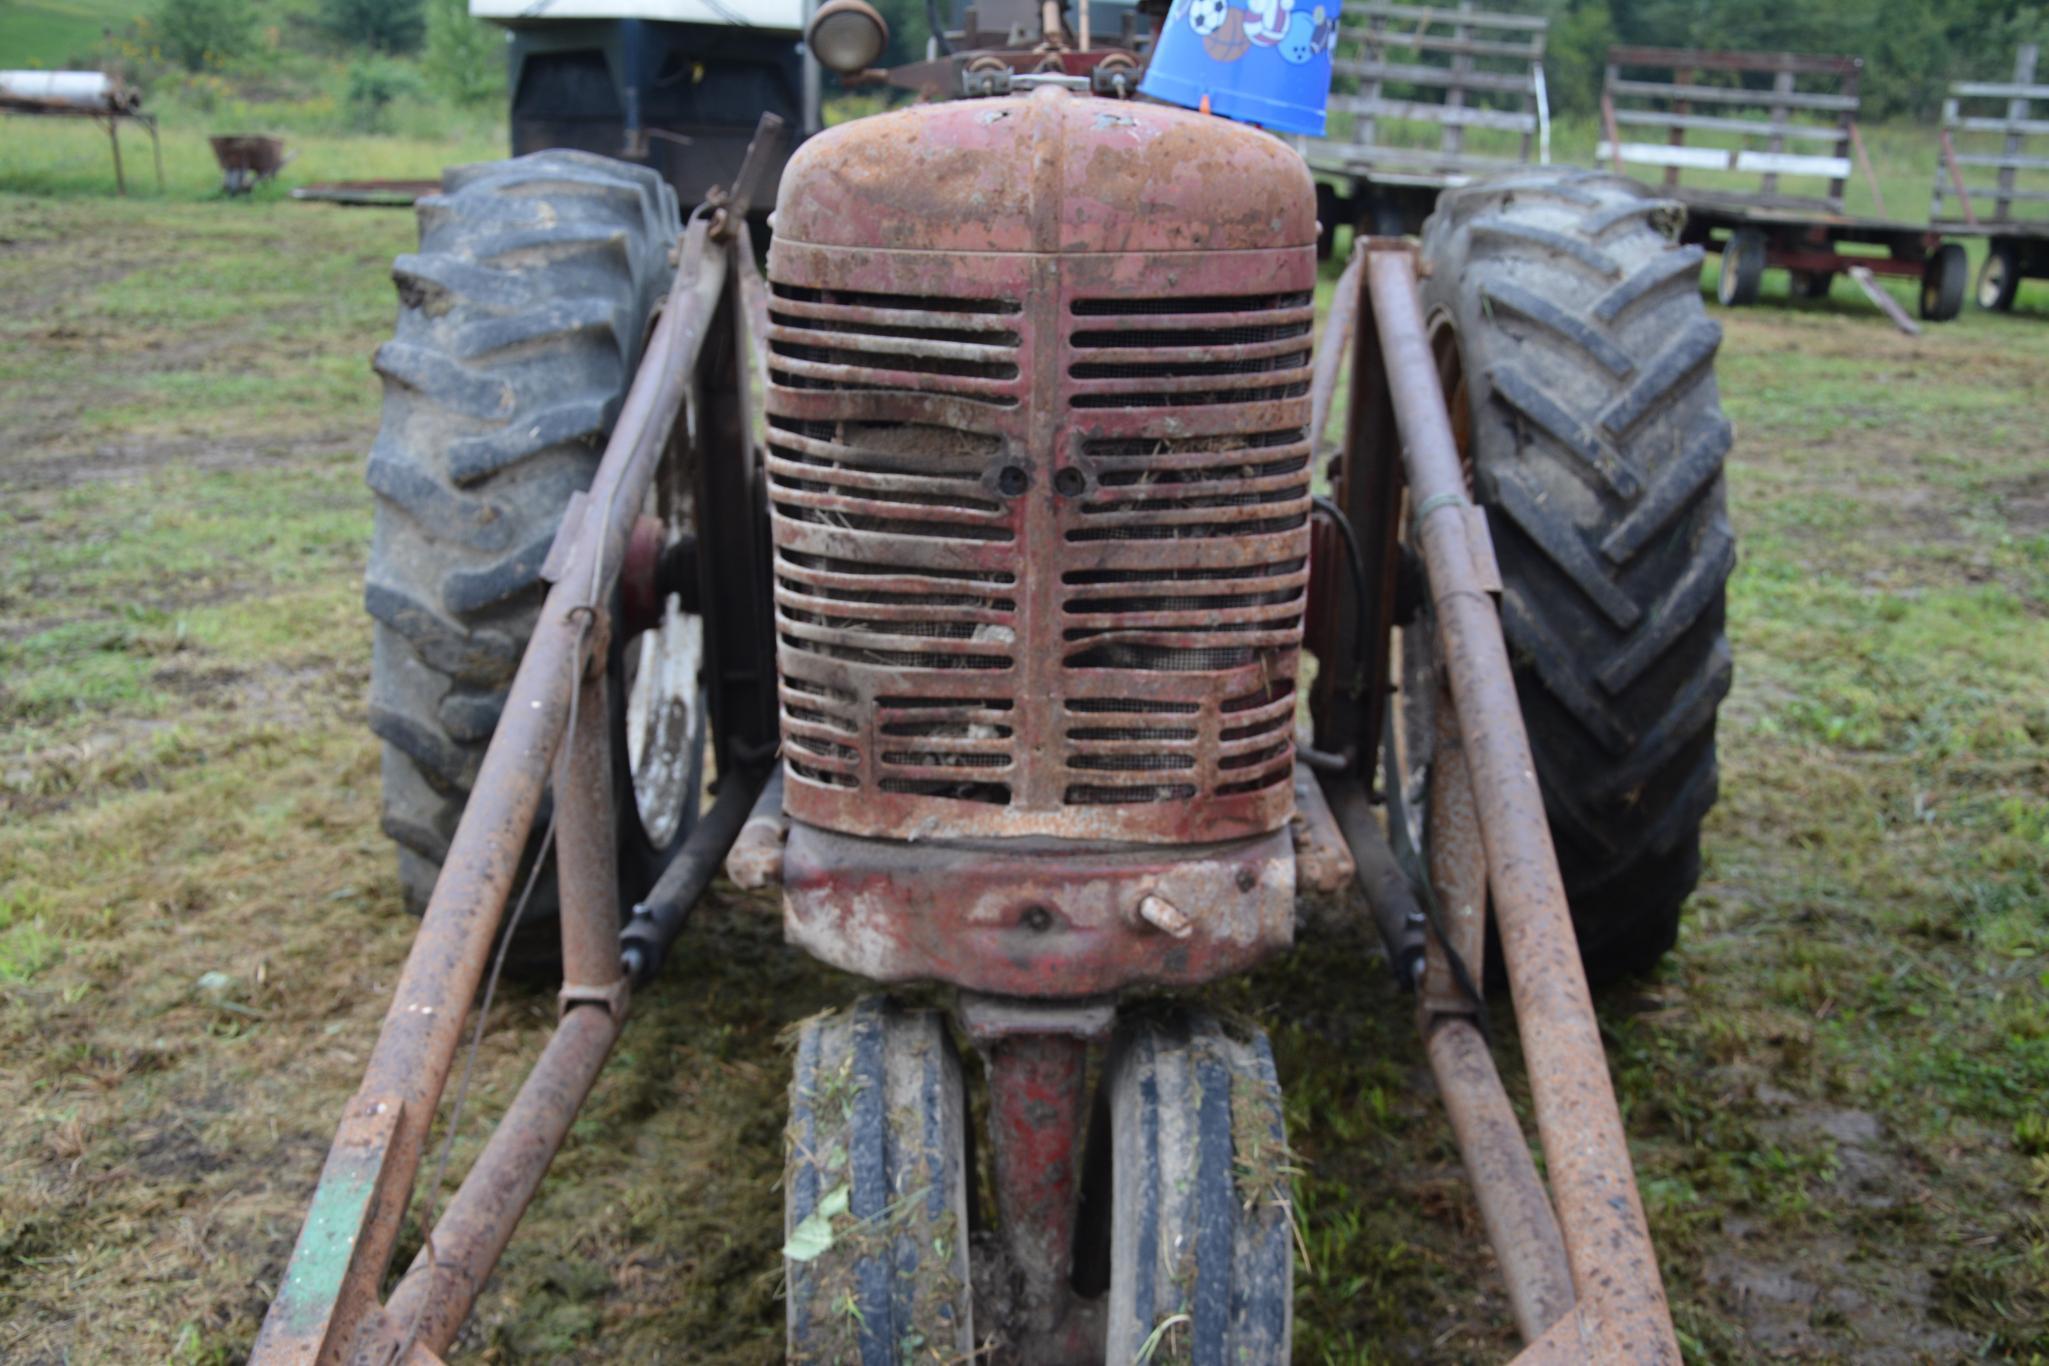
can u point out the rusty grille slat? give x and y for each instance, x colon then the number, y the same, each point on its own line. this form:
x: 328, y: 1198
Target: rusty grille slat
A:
x: 903, y: 514
x: 881, y: 485
x: 1194, y: 541
x: 1142, y: 741
x: 1231, y: 310
x: 995, y: 351
x: 895, y: 557
x: 800, y: 372
x: 1208, y: 355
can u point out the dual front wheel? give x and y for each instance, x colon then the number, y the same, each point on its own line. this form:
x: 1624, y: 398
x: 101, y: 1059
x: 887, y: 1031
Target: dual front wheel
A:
x: 1193, y: 1203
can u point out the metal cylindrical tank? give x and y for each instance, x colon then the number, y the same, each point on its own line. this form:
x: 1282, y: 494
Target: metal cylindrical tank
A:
x: 94, y: 91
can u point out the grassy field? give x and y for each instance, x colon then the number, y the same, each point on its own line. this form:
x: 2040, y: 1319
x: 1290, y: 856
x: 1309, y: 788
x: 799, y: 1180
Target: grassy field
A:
x: 1835, y: 1085
x: 70, y: 157
x: 46, y: 34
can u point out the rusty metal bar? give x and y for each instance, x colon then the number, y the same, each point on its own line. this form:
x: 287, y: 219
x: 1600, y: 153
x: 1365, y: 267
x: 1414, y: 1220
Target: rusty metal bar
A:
x: 1038, y: 1104
x: 1458, y: 875
x: 1956, y: 177
x: 1323, y: 860
x: 1606, y: 1238
x: 586, y: 847
x: 1396, y: 913
x: 432, y: 1301
x: 1513, y: 1207
x: 1608, y: 127
x: 660, y: 917
x: 1331, y: 350
x: 330, y: 1284
x: 756, y: 858
x: 1587, y: 1334
x: 1864, y: 164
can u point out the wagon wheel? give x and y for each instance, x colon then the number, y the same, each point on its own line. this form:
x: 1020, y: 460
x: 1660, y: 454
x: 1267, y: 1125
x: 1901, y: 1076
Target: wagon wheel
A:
x: 1742, y: 274
x: 521, y: 320
x: 1577, y: 362
x: 1811, y: 284
x: 1944, y: 281
x: 1999, y: 279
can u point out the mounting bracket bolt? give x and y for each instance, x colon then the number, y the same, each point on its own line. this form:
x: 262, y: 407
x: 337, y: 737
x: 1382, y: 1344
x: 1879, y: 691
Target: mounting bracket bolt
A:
x: 1164, y: 915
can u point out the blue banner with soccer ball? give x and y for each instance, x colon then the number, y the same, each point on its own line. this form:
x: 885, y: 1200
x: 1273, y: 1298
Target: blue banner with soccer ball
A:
x: 1258, y: 61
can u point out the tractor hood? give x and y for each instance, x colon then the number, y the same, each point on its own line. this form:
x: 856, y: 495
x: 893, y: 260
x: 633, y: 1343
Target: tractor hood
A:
x: 1047, y: 172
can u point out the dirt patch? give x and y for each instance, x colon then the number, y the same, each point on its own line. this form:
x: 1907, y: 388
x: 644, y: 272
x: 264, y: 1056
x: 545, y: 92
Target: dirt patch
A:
x: 1869, y: 1171
x: 199, y: 684
x: 128, y: 461
x: 172, y: 1150
x: 1820, y: 1300
x: 2023, y: 504
x: 135, y: 754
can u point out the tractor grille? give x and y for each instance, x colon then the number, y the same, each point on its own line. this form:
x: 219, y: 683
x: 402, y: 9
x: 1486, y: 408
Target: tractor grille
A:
x: 1041, y: 546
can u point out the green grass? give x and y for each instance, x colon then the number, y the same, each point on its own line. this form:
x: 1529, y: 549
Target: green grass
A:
x: 1834, y: 1086
x: 49, y: 34
x: 49, y: 156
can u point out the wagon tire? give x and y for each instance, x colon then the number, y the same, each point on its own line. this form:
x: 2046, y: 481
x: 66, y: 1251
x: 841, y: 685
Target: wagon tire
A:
x: 521, y: 319
x: 1579, y: 360
x: 1201, y: 1237
x: 1999, y: 279
x: 1742, y: 275
x: 1944, y: 281
x: 875, y: 1191
x: 1811, y: 285
x: 1388, y: 220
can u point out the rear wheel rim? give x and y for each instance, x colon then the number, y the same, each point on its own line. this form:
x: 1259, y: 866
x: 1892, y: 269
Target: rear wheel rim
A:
x: 1992, y: 281
x: 665, y: 724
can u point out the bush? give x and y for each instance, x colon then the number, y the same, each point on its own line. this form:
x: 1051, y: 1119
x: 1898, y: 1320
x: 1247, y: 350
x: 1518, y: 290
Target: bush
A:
x: 465, y: 58
x: 375, y: 84
x: 203, y: 34
x: 380, y: 25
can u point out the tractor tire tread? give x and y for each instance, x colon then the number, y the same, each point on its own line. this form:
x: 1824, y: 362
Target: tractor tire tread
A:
x: 520, y: 321
x: 1201, y: 1236
x: 1598, y: 444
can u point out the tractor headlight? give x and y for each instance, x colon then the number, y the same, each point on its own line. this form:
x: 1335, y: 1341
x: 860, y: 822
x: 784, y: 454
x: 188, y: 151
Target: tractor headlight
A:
x: 847, y: 35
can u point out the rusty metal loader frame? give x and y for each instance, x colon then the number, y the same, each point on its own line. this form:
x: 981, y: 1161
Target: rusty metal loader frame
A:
x: 1582, y: 1275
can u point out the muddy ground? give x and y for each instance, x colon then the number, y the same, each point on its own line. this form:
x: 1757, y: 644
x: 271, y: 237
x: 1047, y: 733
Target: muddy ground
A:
x: 1834, y: 1086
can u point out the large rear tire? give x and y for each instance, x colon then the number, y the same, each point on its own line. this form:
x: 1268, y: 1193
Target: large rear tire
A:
x: 1579, y: 362
x: 521, y: 319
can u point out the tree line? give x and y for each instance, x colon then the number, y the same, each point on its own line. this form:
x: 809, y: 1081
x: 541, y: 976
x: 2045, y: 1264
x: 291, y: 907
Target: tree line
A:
x: 1912, y: 49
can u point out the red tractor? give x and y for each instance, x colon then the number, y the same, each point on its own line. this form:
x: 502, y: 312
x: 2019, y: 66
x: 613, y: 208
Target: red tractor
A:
x: 988, y: 531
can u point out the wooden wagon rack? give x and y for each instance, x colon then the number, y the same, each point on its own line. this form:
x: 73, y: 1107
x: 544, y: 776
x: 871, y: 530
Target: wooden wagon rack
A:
x: 1406, y: 69
x: 2012, y: 213
x: 1770, y: 118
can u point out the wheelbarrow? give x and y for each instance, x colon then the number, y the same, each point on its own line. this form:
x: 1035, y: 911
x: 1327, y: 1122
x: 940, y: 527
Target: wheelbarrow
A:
x: 247, y: 160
